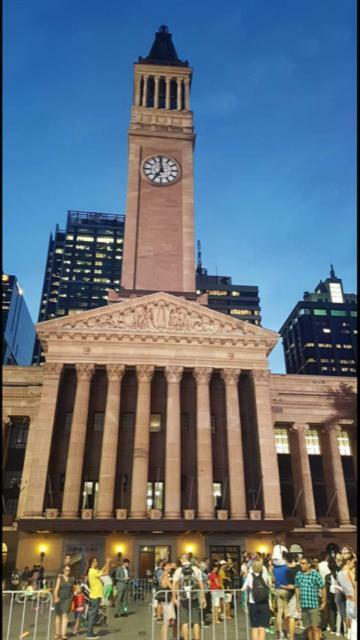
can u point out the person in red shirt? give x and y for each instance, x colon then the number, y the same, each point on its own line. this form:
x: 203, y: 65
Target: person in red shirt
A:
x: 216, y: 590
x: 78, y: 606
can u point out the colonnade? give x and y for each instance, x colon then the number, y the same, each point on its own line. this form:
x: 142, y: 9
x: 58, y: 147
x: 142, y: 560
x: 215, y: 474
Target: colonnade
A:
x: 142, y: 90
x: 40, y: 437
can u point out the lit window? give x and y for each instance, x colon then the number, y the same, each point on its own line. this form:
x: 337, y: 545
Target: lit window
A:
x: 98, y: 263
x: 353, y: 314
x: 104, y: 239
x: 240, y: 312
x: 336, y: 294
x: 216, y: 493
x: 347, y: 346
x: 69, y: 237
x: 73, y: 311
x: 155, y: 422
x: 101, y: 280
x: 309, y: 344
x: 85, y: 238
x: 320, y: 312
x: 337, y: 312
x: 312, y: 442
x: 344, y: 443
x: 59, y: 250
x: 325, y: 330
x: 324, y: 345
x: 100, y: 255
x: 4, y: 278
x: 235, y: 293
x: 119, y: 240
x: 282, y: 441
x: 154, y: 495
x: 90, y: 494
x: 218, y: 293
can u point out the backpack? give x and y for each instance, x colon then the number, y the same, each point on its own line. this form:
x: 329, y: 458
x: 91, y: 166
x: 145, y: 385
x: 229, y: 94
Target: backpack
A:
x: 188, y: 584
x: 260, y: 591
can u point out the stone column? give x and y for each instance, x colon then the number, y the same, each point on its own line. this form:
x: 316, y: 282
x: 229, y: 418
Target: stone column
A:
x: 109, y: 447
x: 335, y: 477
x: 178, y: 100
x: 75, y: 458
x: 234, y: 445
x: 173, y: 444
x: 139, y: 478
x: 268, y: 456
x: 39, y: 442
x: 137, y: 90
x: 145, y: 88
x: 156, y: 91
x: 167, y: 100
x: 187, y: 93
x: 204, y: 445
x: 300, y: 460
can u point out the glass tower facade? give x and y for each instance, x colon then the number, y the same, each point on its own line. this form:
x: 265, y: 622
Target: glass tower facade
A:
x: 236, y: 300
x: 18, y: 327
x: 320, y: 334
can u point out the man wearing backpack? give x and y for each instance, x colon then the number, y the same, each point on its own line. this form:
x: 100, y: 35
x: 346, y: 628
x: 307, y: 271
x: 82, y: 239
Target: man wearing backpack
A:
x: 258, y: 590
x: 189, y: 596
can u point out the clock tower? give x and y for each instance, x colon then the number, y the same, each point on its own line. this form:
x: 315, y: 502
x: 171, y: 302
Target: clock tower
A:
x: 159, y: 227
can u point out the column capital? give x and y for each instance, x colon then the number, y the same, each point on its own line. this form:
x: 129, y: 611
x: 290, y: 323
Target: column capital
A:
x: 202, y: 375
x: 328, y: 428
x: 84, y: 370
x: 173, y: 374
x: 300, y: 426
x: 144, y: 372
x: 260, y: 375
x: 115, y: 371
x: 53, y: 369
x: 230, y: 376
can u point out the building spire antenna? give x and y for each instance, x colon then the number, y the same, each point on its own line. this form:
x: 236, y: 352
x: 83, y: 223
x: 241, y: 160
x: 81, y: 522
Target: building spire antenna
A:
x: 332, y: 271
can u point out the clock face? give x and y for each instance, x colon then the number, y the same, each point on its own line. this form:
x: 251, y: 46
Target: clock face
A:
x: 161, y: 170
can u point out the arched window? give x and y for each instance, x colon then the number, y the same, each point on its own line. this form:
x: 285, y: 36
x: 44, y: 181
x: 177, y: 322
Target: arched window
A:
x: 162, y: 93
x: 150, y: 92
x: 173, y: 94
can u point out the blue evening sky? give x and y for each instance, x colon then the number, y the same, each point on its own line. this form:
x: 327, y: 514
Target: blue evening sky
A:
x: 274, y: 100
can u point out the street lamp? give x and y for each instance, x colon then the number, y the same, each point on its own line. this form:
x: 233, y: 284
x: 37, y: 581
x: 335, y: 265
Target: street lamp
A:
x: 119, y: 550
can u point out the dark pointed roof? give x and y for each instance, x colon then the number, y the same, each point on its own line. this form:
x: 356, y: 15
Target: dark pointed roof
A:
x: 163, y: 50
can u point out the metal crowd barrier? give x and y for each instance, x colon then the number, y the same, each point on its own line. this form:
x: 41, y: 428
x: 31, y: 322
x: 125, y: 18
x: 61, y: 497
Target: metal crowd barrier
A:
x: 198, y: 608
x: 141, y: 591
x: 26, y: 614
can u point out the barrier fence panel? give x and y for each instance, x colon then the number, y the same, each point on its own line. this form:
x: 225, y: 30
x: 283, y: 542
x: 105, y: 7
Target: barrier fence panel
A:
x: 200, y: 615
x: 26, y: 615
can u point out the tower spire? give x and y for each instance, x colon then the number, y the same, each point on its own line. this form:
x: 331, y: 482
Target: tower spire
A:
x: 163, y: 50
x: 332, y: 271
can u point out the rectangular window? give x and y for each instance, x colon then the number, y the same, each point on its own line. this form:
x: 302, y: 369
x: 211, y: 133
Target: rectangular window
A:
x: 90, y: 493
x: 337, y: 312
x: 185, y: 422
x: 240, y: 312
x: 282, y: 440
x: 99, y: 419
x: 336, y: 294
x: 68, y: 421
x: 353, y: 314
x: 104, y: 239
x: 155, y: 422
x: 127, y: 422
x: 154, y: 497
x: 86, y: 238
x: 312, y: 442
x: 344, y: 443
x: 320, y: 312
x: 309, y: 344
x: 217, y: 293
x: 18, y: 433
x: 235, y: 293
x: 217, y: 492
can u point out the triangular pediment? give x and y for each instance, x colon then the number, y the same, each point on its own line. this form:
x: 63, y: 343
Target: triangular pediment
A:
x: 156, y: 313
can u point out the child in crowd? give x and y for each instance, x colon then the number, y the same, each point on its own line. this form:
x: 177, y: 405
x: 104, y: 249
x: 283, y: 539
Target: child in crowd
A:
x: 78, y: 606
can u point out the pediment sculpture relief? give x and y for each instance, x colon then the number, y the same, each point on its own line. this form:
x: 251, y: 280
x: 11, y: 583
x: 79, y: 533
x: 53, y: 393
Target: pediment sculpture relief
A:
x: 159, y: 316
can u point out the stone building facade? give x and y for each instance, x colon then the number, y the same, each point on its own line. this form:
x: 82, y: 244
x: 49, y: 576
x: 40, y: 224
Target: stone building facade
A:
x: 152, y: 425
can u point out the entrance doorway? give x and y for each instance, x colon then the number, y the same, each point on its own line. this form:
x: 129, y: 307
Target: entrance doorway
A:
x: 150, y: 555
x: 225, y: 552
x: 80, y: 557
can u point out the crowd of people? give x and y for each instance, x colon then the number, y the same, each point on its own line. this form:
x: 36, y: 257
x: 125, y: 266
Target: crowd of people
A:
x: 281, y: 592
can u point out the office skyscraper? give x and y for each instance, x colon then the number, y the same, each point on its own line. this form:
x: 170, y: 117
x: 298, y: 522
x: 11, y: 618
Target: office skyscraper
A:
x: 320, y: 334
x: 17, y: 325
